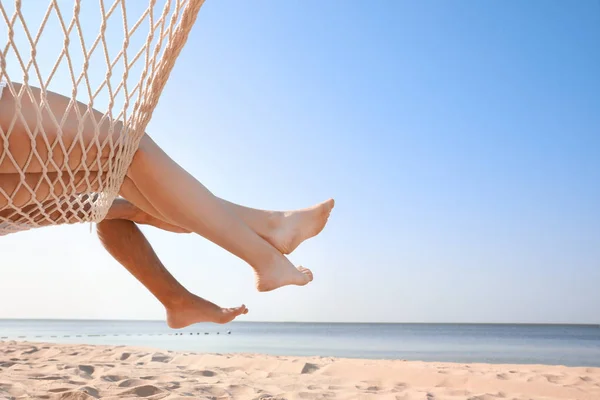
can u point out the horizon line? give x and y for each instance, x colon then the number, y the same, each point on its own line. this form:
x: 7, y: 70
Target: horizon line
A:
x: 315, y: 322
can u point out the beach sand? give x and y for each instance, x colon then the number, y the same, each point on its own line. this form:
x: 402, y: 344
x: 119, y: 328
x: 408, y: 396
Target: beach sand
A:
x: 51, y: 371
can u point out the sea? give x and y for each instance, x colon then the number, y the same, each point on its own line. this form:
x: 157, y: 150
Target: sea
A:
x: 569, y: 345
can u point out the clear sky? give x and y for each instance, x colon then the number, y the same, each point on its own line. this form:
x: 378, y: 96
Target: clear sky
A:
x: 461, y: 141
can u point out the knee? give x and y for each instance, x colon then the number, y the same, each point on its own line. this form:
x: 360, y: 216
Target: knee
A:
x: 147, y: 147
x: 120, y: 209
x: 109, y: 226
x: 104, y: 227
x: 143, y: 155
x: 111, y: 230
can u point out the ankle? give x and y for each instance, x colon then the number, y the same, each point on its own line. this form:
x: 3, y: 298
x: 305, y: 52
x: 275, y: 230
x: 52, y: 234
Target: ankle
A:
x: 178, y: 301
x: 274, y: 221
x: 120, y: 209
x: 272, y: 227
x: 268, y: 262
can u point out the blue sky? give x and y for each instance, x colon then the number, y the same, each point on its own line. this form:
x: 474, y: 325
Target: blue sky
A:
x: 461, y: 141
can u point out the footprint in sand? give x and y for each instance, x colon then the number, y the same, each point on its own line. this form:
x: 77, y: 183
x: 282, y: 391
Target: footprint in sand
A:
x: 308, y: 395
x: 75, y: 395
x: 127, y: 383
x: 86, y: 369
x: 31, y: 351
x: 59, y: 390
x: 309, y: 368
x: 553, y: 378
x: 369, y: 388
x: 229, y: 369
x: 7, y: 364
x: 268, y: 397
x: 142, y: 391
x: 48, y: 378
x: 78, y: 383
x: 399, y: 387
x: 92, y: 391
x: 239, y: 392
x: 485, y: 397
x: 113, y: 378
x: 158, y: 357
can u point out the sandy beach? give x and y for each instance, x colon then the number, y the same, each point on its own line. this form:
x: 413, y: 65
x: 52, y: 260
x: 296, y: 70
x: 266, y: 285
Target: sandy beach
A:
x: 51, y: 371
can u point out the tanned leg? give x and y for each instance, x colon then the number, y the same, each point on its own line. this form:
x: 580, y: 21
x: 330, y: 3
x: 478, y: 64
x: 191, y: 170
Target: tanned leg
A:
x: 126, y: 243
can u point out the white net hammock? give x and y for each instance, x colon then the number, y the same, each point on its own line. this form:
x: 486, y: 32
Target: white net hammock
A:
x: 112, y: 56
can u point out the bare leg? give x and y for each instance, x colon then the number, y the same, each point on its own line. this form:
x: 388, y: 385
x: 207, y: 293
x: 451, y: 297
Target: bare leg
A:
x: 58, y: 149
x: 126, y: 243
x: 284, y: 230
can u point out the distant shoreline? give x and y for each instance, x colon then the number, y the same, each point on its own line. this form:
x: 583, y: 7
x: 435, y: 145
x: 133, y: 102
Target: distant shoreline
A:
x: 572, y: 345
x: 318, y: 322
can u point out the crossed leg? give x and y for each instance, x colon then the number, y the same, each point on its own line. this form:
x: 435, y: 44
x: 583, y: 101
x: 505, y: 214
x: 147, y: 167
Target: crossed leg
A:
x: 127, y: 244
x: 167, y: 188
x: 185, y: 202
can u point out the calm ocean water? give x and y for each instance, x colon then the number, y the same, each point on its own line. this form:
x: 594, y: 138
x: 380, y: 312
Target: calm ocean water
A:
x: 572, y: 345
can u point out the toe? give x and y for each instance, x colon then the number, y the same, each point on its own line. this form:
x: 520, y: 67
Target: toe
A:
x: 310, y: 275
x: 229, y: 314
x: 330, y: 204
x: 240, y: 310
x: 307, y: 273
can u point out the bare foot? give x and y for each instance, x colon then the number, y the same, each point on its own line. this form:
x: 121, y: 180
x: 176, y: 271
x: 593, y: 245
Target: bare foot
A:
x: 281, y: 272
x: 294, y: 227
x: 194, y: 309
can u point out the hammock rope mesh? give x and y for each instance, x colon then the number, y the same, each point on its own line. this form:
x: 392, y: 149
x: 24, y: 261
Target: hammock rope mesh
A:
x: 110, y: 55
